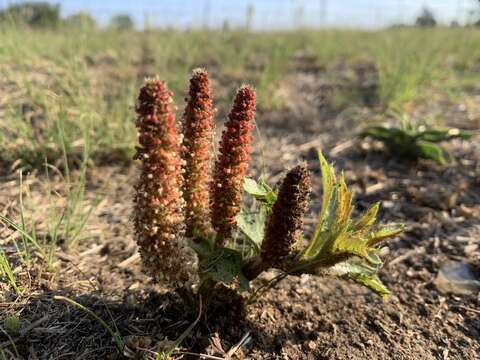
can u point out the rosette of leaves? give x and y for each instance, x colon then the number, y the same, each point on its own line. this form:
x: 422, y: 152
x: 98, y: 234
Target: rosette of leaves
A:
x: 414, y: 142
x: 341, y: 245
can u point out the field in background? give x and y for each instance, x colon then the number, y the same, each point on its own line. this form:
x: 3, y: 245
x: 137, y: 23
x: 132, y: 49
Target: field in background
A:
x: 75, y: 84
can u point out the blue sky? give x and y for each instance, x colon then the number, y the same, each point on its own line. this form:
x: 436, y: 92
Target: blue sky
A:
x: 270, y: 13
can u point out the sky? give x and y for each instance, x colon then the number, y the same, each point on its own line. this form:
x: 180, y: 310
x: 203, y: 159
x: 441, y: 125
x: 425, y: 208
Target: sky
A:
x: 269, y: 14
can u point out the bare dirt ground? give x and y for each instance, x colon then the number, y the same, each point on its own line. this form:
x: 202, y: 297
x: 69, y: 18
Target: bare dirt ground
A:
x: 301, y: 318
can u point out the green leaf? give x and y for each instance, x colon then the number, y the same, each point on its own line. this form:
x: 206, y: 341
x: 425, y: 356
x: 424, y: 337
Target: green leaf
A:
x: 362, y: 273
x: 252, y: 224
x: 225, y: 266
x: 350, y: 243
x: 203, y: 248
x: 434, y: 152
x: 353, y: 266
x: 344, y: 208
x: 367, y: 218
x: 12, y: 324
x: 328, y: 182
x: 373, y: 283
x: 7, y: 273
x: 328, y: 204
x: 383, y: 133
x: 383, y: 232
x: 434, y: 135
x: 373, y: 258
x: 260, y: 191
x: 462, y: 134
x: 254, y: 188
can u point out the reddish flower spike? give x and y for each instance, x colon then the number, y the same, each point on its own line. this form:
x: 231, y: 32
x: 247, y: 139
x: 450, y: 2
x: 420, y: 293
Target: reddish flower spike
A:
x: 198, y: 150
x: 231, y: 165
x: 159, y: 207
x: 284, y: 226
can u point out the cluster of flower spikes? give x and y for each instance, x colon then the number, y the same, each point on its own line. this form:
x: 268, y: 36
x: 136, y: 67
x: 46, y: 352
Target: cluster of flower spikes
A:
x: 167, y: 180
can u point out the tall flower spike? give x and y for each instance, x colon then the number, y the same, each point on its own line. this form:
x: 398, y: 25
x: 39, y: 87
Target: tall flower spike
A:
x: 159, y: 206
x: 232, y: 164
x: 198, y: 140
x: 284, y: 226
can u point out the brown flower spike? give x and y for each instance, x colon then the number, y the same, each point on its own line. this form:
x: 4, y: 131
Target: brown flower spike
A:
x: 198, y: 130
x: 284, y: 226
x: 232, y: 164
x: 159, y: 207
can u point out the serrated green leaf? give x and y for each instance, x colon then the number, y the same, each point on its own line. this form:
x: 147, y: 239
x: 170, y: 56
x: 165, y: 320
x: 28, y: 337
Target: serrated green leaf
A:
x: 362, y: 273
x: 383, y: 232
x: 353, y: 266
x: 328, y: 182
x: 225, y: 266
x: 328, y: 204
x: 344, y: 208
x: 349, y: 243
x: 373, y: 258
x: 373, y: 283
x: 367, y: 218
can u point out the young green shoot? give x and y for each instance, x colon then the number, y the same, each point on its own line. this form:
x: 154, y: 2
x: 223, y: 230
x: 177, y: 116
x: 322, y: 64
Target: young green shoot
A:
x: 414, y: 142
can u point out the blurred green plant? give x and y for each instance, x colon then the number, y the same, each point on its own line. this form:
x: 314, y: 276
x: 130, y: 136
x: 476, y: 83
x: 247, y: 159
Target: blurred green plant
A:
x: 6, y: 272
x: 81, y: 20
x: 34, y: 14
x: 410, y: 141
x: 12, y: 325
x: 122, y: 22
x: 426, y: 18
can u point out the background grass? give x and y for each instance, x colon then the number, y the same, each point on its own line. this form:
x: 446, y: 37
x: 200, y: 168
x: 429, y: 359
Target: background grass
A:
x: 87, y: 80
